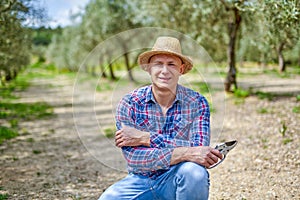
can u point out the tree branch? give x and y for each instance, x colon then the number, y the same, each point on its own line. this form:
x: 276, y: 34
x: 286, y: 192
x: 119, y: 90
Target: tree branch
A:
x: 226, y: 6
x: 11, y: 3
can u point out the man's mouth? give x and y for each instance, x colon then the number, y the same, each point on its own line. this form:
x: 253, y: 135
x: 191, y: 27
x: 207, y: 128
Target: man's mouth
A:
x: 164, y: 78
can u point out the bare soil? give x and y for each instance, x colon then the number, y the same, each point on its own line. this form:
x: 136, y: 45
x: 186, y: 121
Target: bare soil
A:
x: 55, y: 159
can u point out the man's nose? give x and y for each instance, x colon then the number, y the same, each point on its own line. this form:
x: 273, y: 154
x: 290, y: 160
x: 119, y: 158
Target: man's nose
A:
x: 165, y: 68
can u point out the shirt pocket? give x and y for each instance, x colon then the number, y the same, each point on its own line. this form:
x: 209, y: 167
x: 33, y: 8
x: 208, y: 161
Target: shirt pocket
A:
x: 181, y: 132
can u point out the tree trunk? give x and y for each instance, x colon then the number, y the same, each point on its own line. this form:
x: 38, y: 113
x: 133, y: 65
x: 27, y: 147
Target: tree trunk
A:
x: 281, y: 61
x: 128, y: 67
x: 111, y: 71
x: 233, y: 28
x: 126, y: 57
x: 103, y: 74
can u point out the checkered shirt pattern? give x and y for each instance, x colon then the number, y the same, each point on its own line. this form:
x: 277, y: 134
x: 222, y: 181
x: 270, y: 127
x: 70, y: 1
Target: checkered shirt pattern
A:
x: 187, y: 123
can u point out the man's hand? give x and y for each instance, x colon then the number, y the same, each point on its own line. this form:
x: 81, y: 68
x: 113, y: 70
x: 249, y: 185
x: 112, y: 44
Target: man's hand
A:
x: 202, y: 155
x: 128, y: 136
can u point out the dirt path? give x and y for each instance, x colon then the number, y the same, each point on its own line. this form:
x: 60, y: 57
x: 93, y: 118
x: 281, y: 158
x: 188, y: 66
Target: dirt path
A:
x: 65, y: 157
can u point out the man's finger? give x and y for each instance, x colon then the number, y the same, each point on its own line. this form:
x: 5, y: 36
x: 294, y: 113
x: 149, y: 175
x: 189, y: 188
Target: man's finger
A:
x: 217, y: 153
x: 118, y: 136
x: 119, y: 143
x: 214, y: 158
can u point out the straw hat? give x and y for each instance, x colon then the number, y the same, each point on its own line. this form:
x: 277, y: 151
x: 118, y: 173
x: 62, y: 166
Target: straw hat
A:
x: 165, y: 45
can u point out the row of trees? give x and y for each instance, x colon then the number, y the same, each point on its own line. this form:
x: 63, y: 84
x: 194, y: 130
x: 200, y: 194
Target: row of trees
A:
x: 236, y: 30
x: 15, y: 40
x: 258, y: 31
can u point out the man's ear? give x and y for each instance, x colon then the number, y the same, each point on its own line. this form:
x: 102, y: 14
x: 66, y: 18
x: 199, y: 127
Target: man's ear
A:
x: 182, y: 68
x: 148, y: 69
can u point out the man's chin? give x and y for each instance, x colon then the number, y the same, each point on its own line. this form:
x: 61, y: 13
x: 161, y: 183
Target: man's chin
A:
x: 164, y: 86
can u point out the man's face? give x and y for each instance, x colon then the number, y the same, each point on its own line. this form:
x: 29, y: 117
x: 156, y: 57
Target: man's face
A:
x: 165, y: 70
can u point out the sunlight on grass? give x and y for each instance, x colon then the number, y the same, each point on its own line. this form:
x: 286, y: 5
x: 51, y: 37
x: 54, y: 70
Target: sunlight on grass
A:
x: 25, y: 111
x: 11, y: 112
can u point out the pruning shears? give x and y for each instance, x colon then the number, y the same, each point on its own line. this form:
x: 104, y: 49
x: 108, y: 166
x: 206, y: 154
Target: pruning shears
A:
x: 224, y: 148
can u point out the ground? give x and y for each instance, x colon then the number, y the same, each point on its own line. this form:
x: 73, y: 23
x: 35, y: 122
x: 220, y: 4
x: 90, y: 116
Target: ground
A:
x: 67, y: 157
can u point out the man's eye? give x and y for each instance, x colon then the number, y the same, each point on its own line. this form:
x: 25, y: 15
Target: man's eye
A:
x: 157, y: 64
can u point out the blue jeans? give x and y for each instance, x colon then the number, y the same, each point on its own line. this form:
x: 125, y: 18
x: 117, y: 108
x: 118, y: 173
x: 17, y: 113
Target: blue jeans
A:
x: 184, y: 181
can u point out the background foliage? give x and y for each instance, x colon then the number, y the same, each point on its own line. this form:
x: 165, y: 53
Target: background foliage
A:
x: 232, y: 31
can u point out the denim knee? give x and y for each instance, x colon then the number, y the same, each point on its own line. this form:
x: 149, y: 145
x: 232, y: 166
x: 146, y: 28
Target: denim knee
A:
x: 193, y: 171
x: 194, y: 178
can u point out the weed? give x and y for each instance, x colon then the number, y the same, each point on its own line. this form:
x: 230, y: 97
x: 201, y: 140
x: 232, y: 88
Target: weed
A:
x: 14, y: 123
x: 240, y: 93
x: 31, y: 140
x: 203, y: 87
x: 264, y: 95
x: 36, y: 151
x: 296, y: 109
x: 20, y: 83
x: 7, y: 133
x: 212, y: 109
x: 287, y: 140
x: 109, y: 132
x: 283, y: 129
x: 298, y: 97
x: 3, y: 196
x: 26, y: 111
x: 239, y: 101
x: 264, y: 141
x: 263, y: 110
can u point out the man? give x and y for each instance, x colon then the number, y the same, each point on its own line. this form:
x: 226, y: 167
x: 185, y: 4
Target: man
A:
x: 164, y: 132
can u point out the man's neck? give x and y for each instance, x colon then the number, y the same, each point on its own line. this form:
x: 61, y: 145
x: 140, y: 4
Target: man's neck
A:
x: 164, y: 97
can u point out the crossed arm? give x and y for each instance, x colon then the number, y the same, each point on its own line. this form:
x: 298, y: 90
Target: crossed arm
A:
x: 202, y: 155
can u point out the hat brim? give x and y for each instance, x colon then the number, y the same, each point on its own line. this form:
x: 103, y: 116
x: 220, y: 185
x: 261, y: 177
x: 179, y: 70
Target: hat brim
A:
x: 144, y: 59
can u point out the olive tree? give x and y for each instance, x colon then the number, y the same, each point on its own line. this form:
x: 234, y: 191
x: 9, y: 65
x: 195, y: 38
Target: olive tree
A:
x: 282, y: 17
x: 15, y: 41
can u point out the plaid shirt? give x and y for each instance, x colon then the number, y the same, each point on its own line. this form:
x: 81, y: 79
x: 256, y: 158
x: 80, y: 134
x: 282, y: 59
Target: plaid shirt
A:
x: 187, y: 123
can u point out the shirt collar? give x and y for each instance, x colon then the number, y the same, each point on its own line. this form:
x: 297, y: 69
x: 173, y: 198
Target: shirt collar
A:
x: 149, y: 94
x: 179, y: 94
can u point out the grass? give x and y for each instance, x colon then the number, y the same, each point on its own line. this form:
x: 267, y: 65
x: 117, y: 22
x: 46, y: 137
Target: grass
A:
x: 24, y: 111
x: 240, y: 93
x: 264, y: 95
x: 7, y: 133
x: 201, y: 87
x: 296, y: 109
x: 12, y: 112
x: 19, y: 84
x: 104, y: 86
x: 283, y: 130
x: 110, y: 132
x: 3, y: 196
x: 287, y: 140
x: 263, y: 111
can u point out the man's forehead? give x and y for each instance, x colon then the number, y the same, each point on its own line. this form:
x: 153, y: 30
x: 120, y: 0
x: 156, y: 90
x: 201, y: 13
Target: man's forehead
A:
x: 167, y: 57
